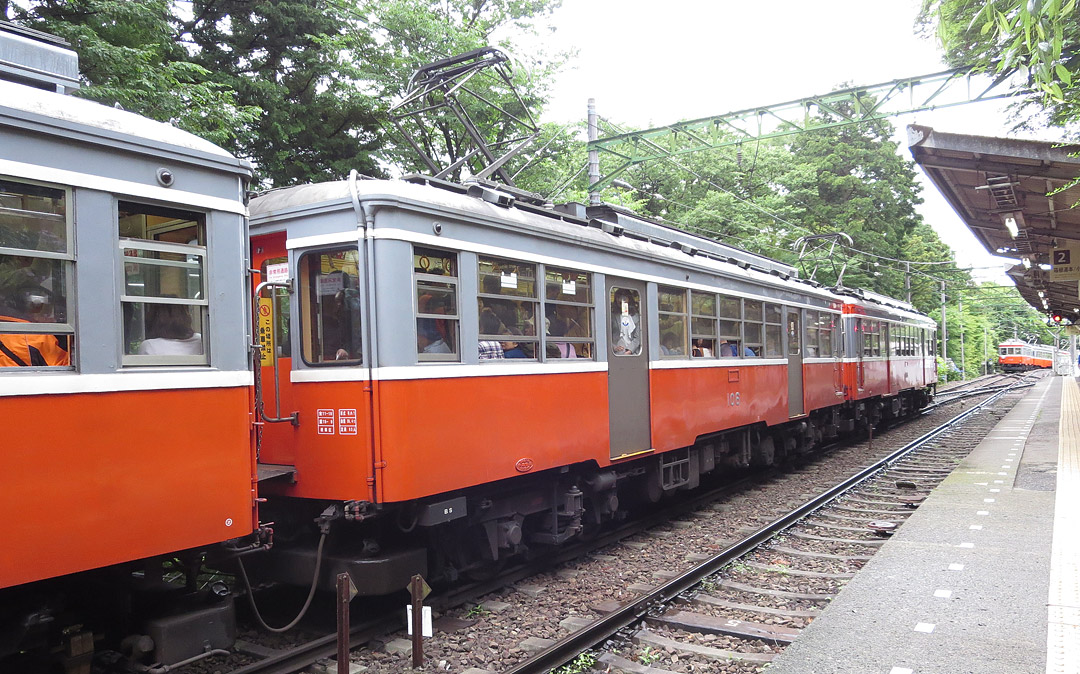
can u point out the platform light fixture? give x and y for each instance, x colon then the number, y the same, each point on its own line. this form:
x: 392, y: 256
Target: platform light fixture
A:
x: 1010, y: 224
x: 1026, y: 262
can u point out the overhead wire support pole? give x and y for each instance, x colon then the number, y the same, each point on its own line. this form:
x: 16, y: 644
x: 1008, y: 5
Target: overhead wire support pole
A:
x: 793, y: 117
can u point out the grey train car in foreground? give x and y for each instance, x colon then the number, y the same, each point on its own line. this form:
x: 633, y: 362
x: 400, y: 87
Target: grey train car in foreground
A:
x: 125, y: 374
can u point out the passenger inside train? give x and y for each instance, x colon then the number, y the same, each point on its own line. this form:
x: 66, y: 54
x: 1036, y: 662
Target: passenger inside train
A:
x: 625, y: 322
x: 169, y: 332
x: 490, y: 349
x: 31, y: 305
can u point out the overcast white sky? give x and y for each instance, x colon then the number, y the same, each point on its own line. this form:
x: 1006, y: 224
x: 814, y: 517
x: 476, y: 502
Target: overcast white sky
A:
x: 650, y: 63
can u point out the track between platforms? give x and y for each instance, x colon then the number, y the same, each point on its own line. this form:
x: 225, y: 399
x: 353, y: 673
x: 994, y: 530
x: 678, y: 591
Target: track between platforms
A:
x: 911, y: 479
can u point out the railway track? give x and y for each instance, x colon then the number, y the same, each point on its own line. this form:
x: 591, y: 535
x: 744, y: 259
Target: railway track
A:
x: 841, y: 527
x: 476, y: 618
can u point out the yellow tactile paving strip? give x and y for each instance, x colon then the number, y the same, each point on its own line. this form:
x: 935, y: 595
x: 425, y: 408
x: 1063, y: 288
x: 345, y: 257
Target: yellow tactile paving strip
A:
x: 1063, y: 637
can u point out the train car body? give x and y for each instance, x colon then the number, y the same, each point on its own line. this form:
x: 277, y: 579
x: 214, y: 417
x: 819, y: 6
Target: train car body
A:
x: 889, y: 352
x: 132, y: 442
x: 1015, y: 355
x: 460, y: 368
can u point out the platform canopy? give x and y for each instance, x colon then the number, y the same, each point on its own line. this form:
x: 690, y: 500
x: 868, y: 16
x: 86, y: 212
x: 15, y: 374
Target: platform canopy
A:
x: 1009, y: 194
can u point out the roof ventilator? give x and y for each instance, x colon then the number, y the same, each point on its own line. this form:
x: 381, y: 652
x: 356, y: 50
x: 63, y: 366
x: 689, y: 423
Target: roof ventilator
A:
x: 491, y: 196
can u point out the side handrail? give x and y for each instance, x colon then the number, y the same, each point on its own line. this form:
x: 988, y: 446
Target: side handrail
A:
x: 293, y: 418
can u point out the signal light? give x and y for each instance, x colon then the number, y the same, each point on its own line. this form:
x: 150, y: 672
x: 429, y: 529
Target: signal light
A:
x: 1055, y: 318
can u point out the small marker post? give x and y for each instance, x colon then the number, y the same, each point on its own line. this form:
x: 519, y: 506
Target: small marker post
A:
x: 344, y: 596
x: 416, y: 590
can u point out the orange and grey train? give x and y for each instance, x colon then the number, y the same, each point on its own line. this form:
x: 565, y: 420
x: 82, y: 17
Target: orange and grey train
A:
x: 447, y: 375
x: 125, y: 374
x: 1015, y: 355
x: 463, y: 372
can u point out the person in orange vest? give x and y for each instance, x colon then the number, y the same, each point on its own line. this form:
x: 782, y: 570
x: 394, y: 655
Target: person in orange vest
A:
x: 23, y: 349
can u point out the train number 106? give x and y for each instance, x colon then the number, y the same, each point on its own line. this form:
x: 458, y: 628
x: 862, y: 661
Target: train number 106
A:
x: 733, y: 399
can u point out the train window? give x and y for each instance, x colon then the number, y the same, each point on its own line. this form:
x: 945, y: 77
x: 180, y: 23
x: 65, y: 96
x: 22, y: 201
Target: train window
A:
x: 568, y: 313
x: 813, y: 333
x: 703, y: 324
x: 730, y: 333
x: 671, y: 307
x: 773, y: 331
x: 794, y: 332
x: 826, y: 329
x: 507, y: 305
x: 753, y: 335
x: 163, y: 298
x: 435, y: 276
x: 36, y: 274
x: 625, y: 321
x: 327, y: 284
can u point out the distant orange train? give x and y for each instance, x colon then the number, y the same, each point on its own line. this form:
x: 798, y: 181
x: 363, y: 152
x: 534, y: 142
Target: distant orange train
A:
x: 1017, y: 356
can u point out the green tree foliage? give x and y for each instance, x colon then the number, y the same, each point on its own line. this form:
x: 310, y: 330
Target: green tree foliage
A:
x: 299, y: 87
x: 1038, y: 36
x: 990, y: 314
x: 128, y: 55
x: 765, y: 195
x: 295, y: 61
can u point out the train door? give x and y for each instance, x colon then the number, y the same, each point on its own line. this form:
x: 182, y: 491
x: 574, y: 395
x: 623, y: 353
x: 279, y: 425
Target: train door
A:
x: 836, y: 336
x: 795, y: 358
x: 887, y: 330
x: 628, y: 368
x: 273, y: 334
x: 860, y: 351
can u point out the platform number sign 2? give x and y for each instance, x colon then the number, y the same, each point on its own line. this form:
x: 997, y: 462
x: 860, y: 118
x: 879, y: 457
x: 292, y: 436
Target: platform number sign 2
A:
x: 1066, y: 264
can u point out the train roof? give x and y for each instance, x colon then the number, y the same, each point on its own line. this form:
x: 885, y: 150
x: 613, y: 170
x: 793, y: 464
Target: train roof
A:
x: 484, y: 203
x: 869, y: 298
x: 632, y: 232
x: 58, y: 113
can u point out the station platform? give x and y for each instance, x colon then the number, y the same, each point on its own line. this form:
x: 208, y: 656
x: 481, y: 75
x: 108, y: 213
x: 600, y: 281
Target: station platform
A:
x: 984, y: 578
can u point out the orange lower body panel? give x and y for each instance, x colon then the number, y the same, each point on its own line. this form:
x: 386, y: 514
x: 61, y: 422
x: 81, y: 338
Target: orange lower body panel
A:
x: 104, y: 478
x: 437, y: 435
x: 823, y: 385
x: 331, y: 447
x: 690, y: 402
x: 906, y: 373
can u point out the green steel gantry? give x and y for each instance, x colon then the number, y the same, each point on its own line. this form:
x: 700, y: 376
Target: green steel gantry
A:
x: 837, y: 108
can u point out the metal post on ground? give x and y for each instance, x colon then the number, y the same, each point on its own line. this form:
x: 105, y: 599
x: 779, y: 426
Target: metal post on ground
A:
x: 1072, y: 355
x: 963, y: 357
x: 944, y: 327
x: 416, y: 590
x: 343, y: 598
x: 871, y: 447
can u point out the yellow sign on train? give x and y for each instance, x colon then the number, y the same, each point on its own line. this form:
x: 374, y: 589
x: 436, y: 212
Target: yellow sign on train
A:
x: 266, y: 331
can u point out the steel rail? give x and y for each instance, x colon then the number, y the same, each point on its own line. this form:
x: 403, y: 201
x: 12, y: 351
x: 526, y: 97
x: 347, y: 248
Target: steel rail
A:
x: 301, y: 657
x: 304, y: 655
x: 609, y: 625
